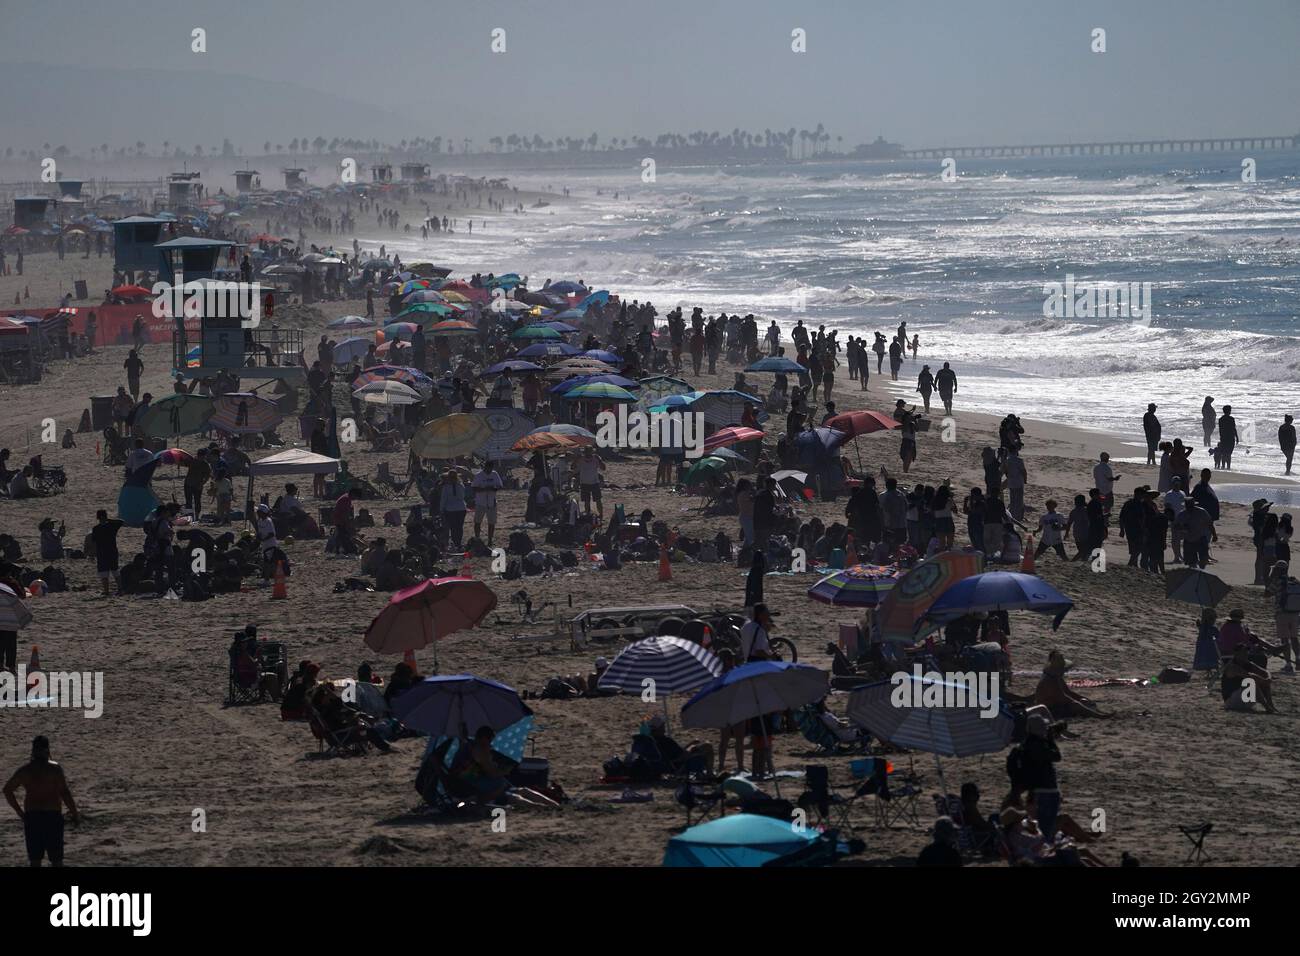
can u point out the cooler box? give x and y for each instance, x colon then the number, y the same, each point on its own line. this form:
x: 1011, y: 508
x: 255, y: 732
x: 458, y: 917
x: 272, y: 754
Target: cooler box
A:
x: 534, y: 772
x: 101, y: 412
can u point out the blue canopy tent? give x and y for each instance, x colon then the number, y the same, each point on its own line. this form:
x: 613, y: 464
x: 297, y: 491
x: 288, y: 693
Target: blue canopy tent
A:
x: 742, y: 839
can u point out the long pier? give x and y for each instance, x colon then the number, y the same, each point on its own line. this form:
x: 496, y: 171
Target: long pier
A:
x: 1236, y: 144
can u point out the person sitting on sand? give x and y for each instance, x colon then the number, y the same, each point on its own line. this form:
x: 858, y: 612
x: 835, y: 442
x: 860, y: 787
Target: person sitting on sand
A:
x: 391, y: 575
x: 943, y: 850
x: 401, y: 680
x: 1054, y: 694
x: 344, y: 721
x: 373, y: 556
x: 475, y: 763
x: 667, y: 756
x: 1244, y: 682
x: 1234, y: 633
x: 1029, y: 847
x: 294, y: 704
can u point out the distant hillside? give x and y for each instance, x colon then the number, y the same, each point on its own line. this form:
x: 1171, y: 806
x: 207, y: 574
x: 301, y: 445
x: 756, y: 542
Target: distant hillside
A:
x: 81, y: 108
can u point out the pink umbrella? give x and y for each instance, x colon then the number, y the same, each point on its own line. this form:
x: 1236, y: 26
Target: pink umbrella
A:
x: 731, y: 435
x: 417, y: 616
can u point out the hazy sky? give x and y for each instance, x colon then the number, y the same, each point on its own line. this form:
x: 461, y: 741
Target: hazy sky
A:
x: 923, y: 72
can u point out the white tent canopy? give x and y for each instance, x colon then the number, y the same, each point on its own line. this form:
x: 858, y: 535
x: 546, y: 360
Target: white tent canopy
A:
x: 295, y: 461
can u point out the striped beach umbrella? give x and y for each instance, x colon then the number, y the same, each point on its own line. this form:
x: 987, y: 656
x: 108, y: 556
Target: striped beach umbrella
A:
x: 946, y: 731
x: 732, y: 435
x: 14, y: 614
x: 599, y: 392
x: 675, y: 664
x: 388, y: 392
x: 546, y: 441
x: 862, y: 585
x: 452, y: 327
x: 564, y: 428
x: 243, y: 413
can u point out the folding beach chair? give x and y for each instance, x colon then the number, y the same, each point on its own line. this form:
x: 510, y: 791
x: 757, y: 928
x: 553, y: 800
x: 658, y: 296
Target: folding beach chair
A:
x: 704, y: 799
x: 815, y: 732
x: 829, y: 806
x: 1197, y: 834
x: 245, y: 683
x: 350, y: 742
x: 894, y: 801
x: 971, y: 842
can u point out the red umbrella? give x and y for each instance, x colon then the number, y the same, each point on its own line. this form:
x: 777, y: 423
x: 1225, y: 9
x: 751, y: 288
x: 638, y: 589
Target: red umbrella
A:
x: 264, y: 237
x: 417, y: 616
x: 130, y: 292
x: 858, y: 423
x: 731, y: 435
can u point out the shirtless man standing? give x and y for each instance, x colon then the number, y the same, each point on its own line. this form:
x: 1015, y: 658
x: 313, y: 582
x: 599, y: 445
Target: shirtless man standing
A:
x: 42, y: 813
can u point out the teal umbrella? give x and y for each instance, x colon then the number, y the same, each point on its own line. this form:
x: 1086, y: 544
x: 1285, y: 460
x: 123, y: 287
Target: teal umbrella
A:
x: 706, y: 467
x: 599, y: 392
x: 742, y: 839
x: 177, y: 415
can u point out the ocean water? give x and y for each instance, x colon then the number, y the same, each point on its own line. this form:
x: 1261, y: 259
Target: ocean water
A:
x: 860, y: 246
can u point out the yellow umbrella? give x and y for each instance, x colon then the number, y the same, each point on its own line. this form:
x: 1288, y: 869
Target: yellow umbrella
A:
x: 451, y: 436
x: 453, y: 296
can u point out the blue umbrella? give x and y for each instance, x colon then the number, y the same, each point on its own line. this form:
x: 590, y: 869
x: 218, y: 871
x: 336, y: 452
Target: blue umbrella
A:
x: 999, y: 591
x: 742, y: 839
x: 754, y: 689
x: 675, y: 401
x: 571, y: 315
x: 775, y: 363
x: 817, y: 446
x: 566, y: 287
x: 562, y: 327
x: 604, y: 355
x: 611, y: 379
x: 458, y: 705
x: 510, y: 366
x: 540, y: 349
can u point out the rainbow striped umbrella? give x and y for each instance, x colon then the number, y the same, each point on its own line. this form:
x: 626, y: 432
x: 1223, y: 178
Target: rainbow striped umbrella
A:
x: 862, y: 585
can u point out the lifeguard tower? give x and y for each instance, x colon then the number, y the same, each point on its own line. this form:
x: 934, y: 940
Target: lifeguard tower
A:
x: 246, y: 180
x: 381, y: 173
x: 134, y: 241
x: 30, y: 211
x: 183, y: 189
x: 415, y: 172
x: 70, y: 188
x: 264, y: 352
x: 294, y: 178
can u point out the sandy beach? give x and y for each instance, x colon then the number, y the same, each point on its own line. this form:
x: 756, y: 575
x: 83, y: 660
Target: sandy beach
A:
x: 166, y: 745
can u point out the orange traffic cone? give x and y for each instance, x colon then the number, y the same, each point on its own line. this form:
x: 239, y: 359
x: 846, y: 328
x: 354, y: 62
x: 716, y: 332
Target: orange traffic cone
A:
x: 1027, y: 561
x: 466, y: 569
x: 280, y: 590
x: 665, y: 566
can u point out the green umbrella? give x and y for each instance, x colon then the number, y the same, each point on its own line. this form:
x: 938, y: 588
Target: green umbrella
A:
x: 536, y: 332
x: 706, y: 467
x: 423, y: 309
x: 177, y: 415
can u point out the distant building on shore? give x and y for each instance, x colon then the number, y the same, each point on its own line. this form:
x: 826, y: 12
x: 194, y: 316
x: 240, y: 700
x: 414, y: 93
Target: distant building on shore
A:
x: 879, y: 148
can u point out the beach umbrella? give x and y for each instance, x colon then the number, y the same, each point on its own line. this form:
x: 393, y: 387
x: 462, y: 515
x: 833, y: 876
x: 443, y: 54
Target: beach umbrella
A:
x: 451, y: 436
x: 510, y: 305
x: 510, y: 367
x: 599, y: 392
x: 706, y: 468
x: 608, y: 378
x: 536, y: 332
x: 423, y: 310
x: 724, y: 407
x: 739, y: 840
x: 674, y: 664
x: 732, y: 435
x: 858, y: 423
x: 734, y: 459
x: 423, y: 295
x: 349, y: 322
x: 816, y: 446
x: 776, y: 364
x: 173, y: 456
x: 397, y: 373
x: 130, y: 292
x: 415, y: 617
x: 579, y: 366
x: 547, y: 441
x: 507, y: 425
x: 284, y: 269
x: 177, y: 414
x: 604, y: 355
x: 567, y: 287
x: 453, y: 295
x: 562, y: 327
x: 564, y: 428
x: 550, y: 350
x: 935, y: 727
x: 14, y: 614
x: 917, y: 589
x: 1195, y: 586
x: 862, y: 585
x: 999, y: 591
x: 678, y: 402
x: 452, y: 328
x: 413, y: 285
x: 657, y: 388
x: 244, y: 413
x: 458, y: 705
x: 790, y: 483
x: 350, y: 349
x: 755, y: 689
x: 402, y: 331
x: 388, y: 392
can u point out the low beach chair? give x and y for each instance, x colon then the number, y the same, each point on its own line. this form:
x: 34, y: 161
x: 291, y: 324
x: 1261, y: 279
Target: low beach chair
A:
x: 441, y: 790
x: 894, y: 801
x: 815, y: 732
x: 820, y: 799
x: 245, y: 683
x: 1197, y: 834
x: 350, y: 742
x: 705, y: 799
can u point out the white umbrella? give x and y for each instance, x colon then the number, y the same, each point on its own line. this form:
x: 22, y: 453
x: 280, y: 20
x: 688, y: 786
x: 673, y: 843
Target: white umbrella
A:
x: 388, y: 392
x: 14, y: 615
